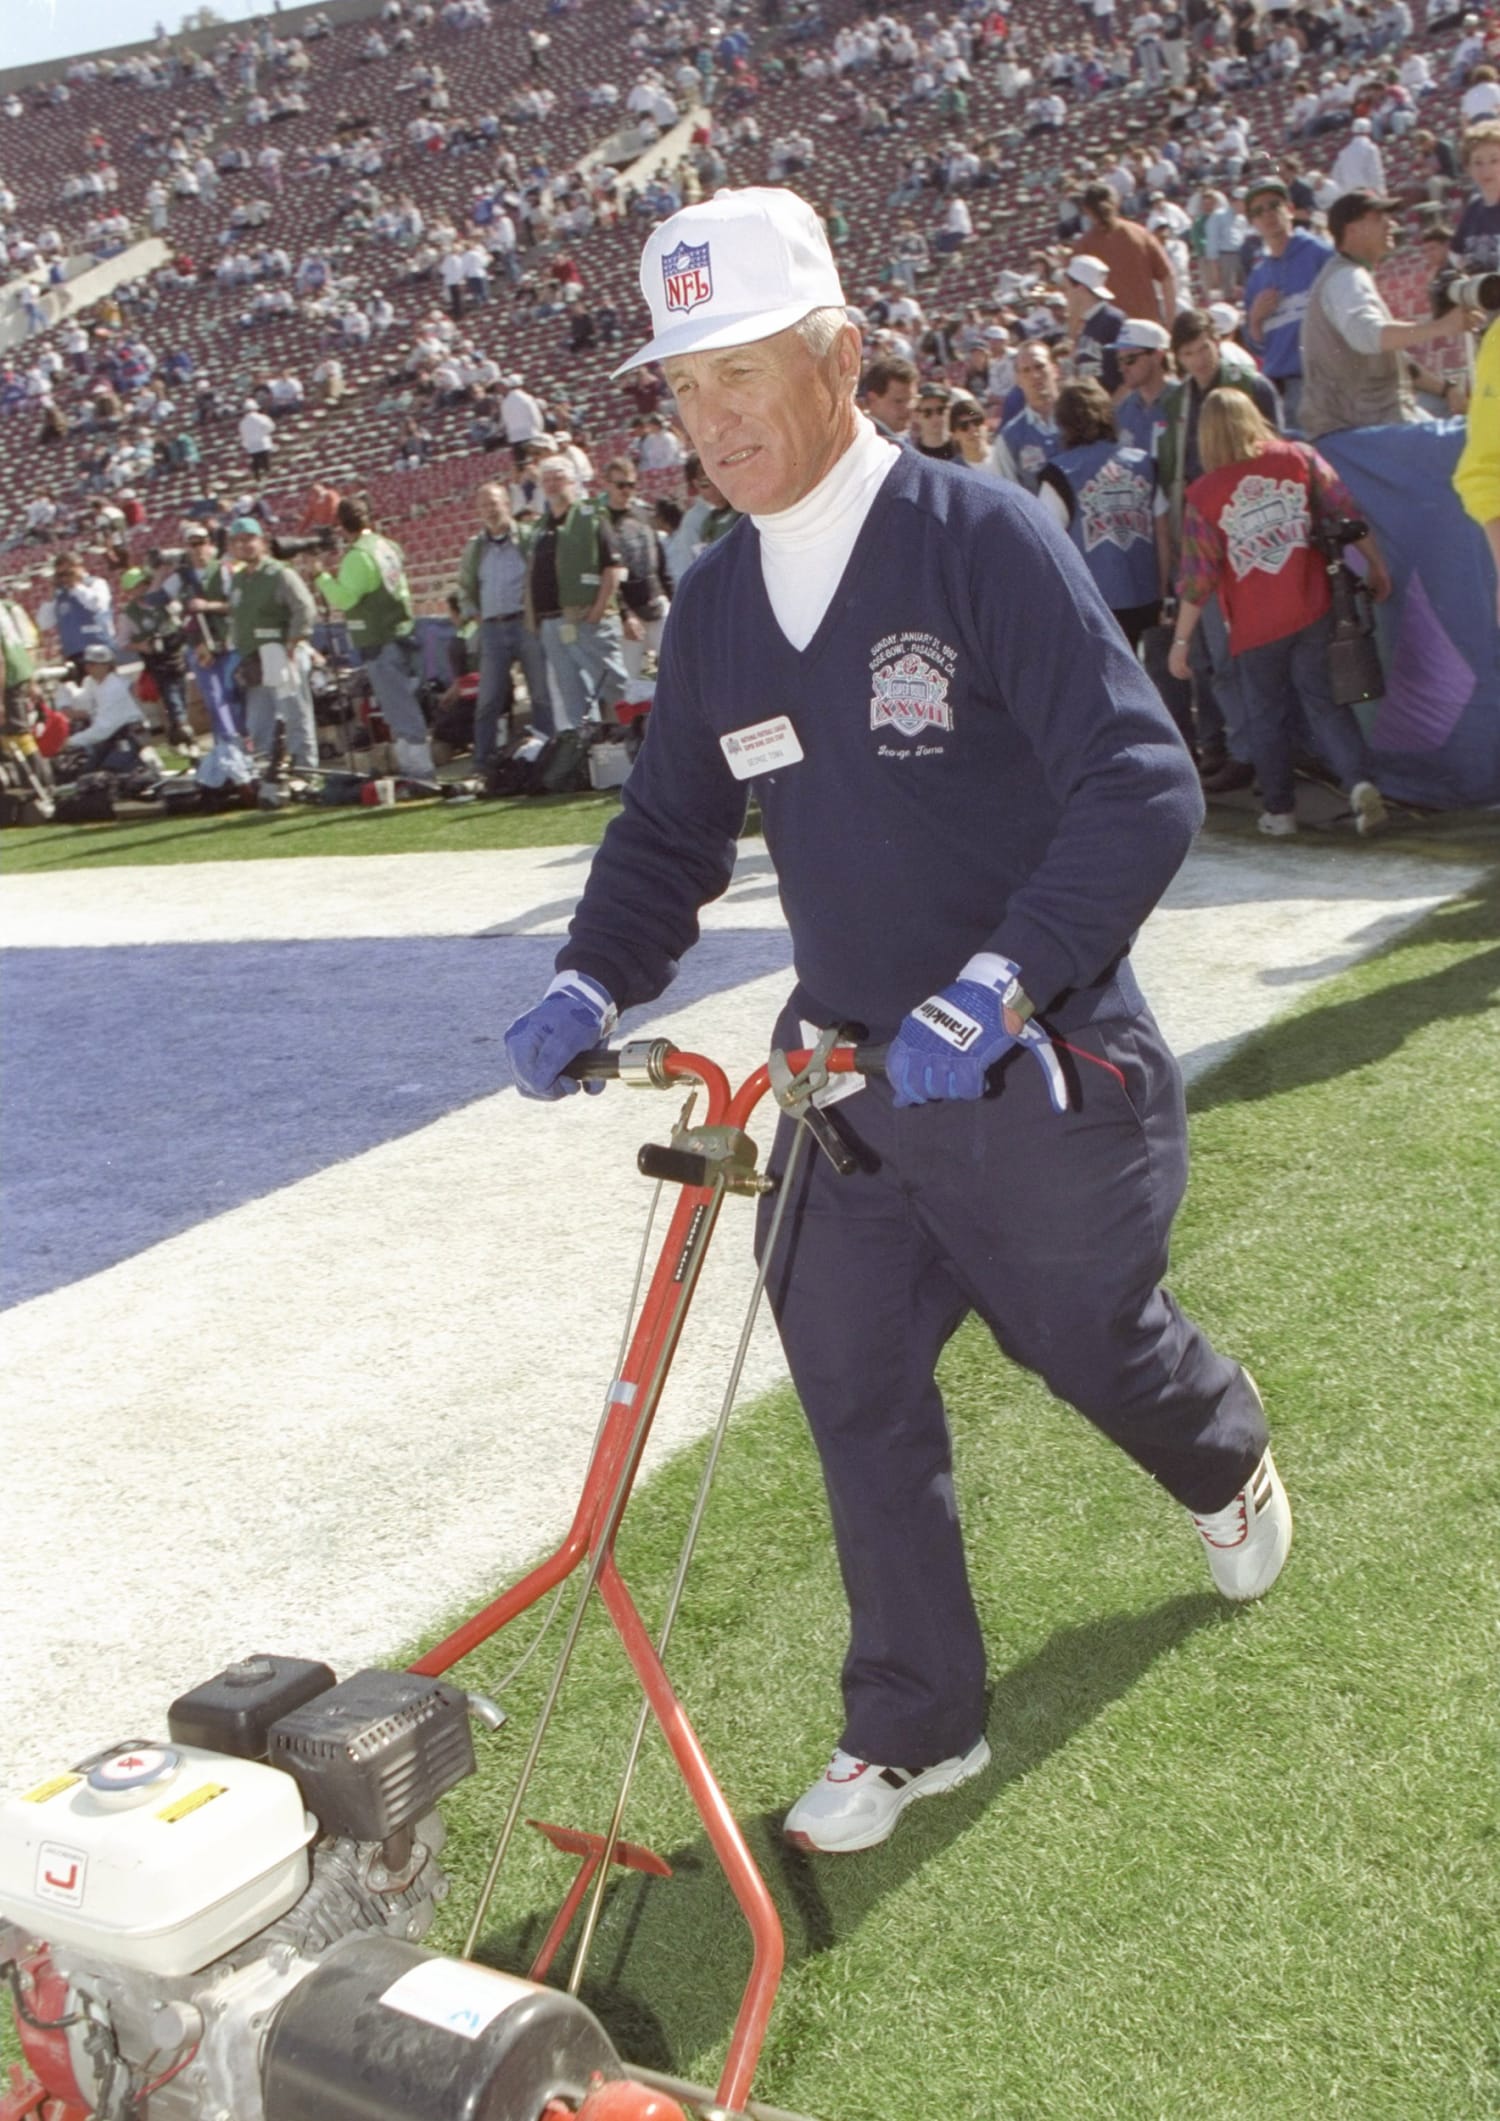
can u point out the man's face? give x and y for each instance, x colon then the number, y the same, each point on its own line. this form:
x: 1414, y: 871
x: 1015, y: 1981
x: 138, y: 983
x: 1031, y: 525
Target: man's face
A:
x: 1484, y: 169
x: 1199, y: 359
x: 1037, y: 376
x: 200, y: 552
x: 621, y: 490
x: 1143, y: 367
x: 249, y: 548
x: 494, y: 510
x: 67, y: 574
x: 767, y: 420
x: 1368, y: 239
x: 1272, y: 217
x: 932, y: 421
x: 559, y: 486
x: 893, y: 405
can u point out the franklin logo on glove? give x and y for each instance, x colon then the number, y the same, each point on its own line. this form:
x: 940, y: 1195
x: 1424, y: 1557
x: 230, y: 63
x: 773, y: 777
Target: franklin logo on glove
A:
x: 948, y: 1044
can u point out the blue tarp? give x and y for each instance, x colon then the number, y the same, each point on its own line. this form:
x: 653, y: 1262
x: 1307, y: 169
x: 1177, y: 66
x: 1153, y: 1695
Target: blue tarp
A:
x: 1436, y: 732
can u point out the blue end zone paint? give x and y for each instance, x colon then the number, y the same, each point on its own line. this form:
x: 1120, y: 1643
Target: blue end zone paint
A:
x: 148, y: 1089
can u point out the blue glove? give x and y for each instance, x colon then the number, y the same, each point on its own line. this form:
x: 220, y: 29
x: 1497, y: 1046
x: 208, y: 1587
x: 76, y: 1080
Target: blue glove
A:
x: 573, y: 1014
x: 946, y: 1047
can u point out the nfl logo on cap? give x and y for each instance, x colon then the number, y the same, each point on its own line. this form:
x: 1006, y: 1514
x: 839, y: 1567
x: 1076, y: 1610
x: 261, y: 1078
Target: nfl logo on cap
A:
x: 687, y: 277
x: 739, y: 267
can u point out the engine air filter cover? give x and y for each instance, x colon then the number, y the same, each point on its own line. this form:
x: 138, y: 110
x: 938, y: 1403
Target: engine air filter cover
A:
x: 375, y: 1753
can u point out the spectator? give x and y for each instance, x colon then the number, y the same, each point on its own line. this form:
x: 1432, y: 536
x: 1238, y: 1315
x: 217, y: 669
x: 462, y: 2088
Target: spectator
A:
x: 1094, y: 318
x: 889, y: 389
x: 575, y: 571
x: 521, y: 414
x: 1254, y: 551
x: 1103, y: 493
x: 257, y: 438
x: 113, y: 728
x: 1143, y: 349
x: 152, y: 620
x: 1029, y: 438
x: 1359, y: 165
x: 492, y: 590
x: 933, y: 437
x: 372, y: 592
x: 1476, y: 239
x: 203, y: 584
x: 971, y: 431
x: 660, y: 448
x: 1136, y: 266
x: 1353, y: 349
x: 1276, y: 293
x: 19, y: 646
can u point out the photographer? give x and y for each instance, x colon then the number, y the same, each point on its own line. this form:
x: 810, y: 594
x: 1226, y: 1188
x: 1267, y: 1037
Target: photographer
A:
x: 1353, y: 349
x: 1477, y: 479
x: 153, y: 624
x: 203, y: 581
x: 271, y: 612
x: 19, y: 643
x: 371, y: 591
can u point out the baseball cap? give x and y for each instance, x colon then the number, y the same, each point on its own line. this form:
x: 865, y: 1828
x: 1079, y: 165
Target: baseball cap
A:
x: 1352, y: 206
x: 1360, y: 125
x: 1259, y: 187
x: 246, y: 527
x: 936, y: 393
x: 1142, y: 335
x: 1227, y: 319
x: 98, y: 652
x: 735, y: 269
x: 1089, y: 272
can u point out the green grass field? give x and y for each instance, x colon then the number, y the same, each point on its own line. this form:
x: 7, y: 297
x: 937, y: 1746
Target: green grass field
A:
x: 1228, y: 1864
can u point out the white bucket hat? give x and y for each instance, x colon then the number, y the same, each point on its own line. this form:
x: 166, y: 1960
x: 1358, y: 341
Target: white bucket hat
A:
x: 742, y: 266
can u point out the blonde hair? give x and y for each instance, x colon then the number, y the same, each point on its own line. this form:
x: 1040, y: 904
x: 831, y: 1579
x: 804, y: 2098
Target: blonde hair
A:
x: 1485, y: 134
x: 1231, y: 430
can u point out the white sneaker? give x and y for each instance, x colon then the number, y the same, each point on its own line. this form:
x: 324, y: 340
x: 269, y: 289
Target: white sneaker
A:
x: 1276, y: 824
x: 1368, y: 805
x: 855, y: 1804
x: 1250, y: 1538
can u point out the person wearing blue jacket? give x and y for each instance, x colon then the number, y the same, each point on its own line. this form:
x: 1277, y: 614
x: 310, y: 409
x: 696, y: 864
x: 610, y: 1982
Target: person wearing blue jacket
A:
x: 1103, y: 493
x: 1276, y: 291
x: 973, y: 797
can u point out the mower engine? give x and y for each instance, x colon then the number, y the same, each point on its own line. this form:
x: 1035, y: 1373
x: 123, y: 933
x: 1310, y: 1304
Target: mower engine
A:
x: 222, y: 1925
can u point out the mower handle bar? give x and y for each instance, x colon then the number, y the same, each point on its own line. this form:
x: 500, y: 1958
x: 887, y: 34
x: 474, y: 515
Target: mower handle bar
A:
x: 601, y: 1064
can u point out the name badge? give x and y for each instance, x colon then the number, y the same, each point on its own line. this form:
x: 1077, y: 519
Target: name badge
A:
x: 761, y: 748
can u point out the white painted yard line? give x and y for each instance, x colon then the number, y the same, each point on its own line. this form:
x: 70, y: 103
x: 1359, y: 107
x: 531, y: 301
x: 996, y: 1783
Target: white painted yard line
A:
x: 317, y: 1421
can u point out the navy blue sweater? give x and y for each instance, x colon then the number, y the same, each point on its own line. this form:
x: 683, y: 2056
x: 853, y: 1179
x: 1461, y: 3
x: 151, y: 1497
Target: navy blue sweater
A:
x: 985, y: 767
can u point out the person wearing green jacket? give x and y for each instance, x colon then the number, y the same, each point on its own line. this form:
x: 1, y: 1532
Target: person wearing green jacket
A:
x: 19, y: 644
x: 371, y: 591
x: 271, y: 616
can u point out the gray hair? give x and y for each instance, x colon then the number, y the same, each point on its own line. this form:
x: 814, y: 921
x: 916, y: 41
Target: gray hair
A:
x: 557, y: 462
x: 820, y: 328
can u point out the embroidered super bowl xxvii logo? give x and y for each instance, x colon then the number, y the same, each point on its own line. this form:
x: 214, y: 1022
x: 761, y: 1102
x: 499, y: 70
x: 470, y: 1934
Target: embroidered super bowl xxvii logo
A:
x: 1265, y: 523
x: 687, y: 274
x: 909, y: 675
x: 1114, y: 507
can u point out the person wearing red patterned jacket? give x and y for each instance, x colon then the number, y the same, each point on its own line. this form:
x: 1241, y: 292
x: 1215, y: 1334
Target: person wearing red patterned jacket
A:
x: 1248, y: 529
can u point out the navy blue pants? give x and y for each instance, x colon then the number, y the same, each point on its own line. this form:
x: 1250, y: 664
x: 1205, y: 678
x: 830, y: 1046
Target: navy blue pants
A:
x: 1054, y: 1230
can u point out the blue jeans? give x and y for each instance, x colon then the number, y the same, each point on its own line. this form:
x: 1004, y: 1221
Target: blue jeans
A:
x: 1221, y: 708
x: 1274, y: 680
x: 587, y: 666
x: 503, y: 643
x: 390, y: 670
x: 226, y: 710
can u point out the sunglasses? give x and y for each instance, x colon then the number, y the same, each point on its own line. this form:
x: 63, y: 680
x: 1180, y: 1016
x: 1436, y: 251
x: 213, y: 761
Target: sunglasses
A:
x: 623, y: 485
x: 968, y: 423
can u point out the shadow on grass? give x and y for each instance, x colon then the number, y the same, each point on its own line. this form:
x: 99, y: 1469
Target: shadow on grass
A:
x: 1334, y: 1037
x: 671, y: 1957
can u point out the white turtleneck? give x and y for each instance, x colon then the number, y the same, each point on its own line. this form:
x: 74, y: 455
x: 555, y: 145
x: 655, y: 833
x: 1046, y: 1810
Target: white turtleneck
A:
x: 804, y: 549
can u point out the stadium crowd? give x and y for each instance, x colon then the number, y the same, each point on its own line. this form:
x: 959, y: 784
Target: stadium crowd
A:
x: 1135, y: 261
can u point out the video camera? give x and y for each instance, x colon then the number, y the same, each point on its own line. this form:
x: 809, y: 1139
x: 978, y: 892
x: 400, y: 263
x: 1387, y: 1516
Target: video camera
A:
x: 167, y: 556
x: 1453, y: 288
x: 325, y: 540
x: 1354, y: 669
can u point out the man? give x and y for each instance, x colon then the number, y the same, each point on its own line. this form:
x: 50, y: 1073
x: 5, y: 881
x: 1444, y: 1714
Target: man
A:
x: 112, y: 726
x: 648, y: 581
x: 1095, y: 320
x: 970, y: 792
x: 1359, y: 165
x: 372, y: 592
x: 203, y: 585
x: 933, y: 436
x: 1277, y: 289
x: 889, y: 390
x: 1142, y: 349
x: 19, y: 646
x: 575, y: 571
x: 521, y: 414
x: 1224, y: 745
x: 1135, y: 264
x: 79, y: 611
x: 152, y: 618
x: 1353, y: 350
x: 257, y: 438
x: 271, y: 612
x: 1028, y: 439
x: 492, y: 589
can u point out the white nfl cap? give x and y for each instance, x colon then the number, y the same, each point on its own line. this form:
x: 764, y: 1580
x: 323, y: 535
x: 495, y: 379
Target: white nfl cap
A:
x: 1089, y: 272
x: 1143, y: 335
x: 1226, y: 318
x: 741, y: 266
